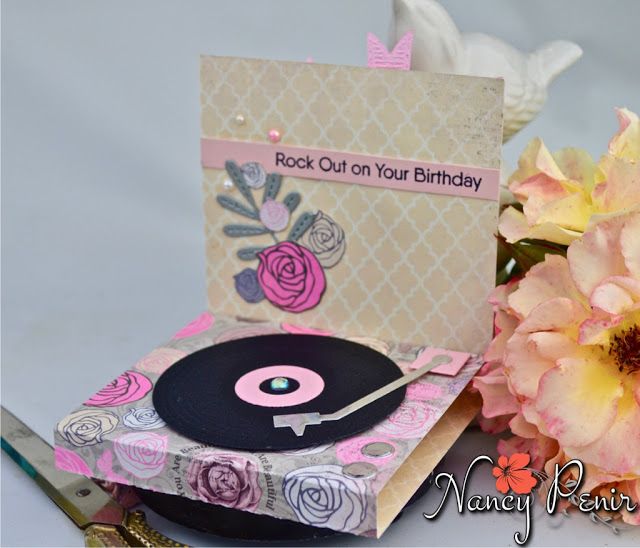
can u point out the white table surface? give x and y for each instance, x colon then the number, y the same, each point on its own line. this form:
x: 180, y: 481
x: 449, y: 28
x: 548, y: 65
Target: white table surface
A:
x: 102, y: 240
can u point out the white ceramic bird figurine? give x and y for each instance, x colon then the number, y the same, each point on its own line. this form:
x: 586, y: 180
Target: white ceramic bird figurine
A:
x: 438, y: 46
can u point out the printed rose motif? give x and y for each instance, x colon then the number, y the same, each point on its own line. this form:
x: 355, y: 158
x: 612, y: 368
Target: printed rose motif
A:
x: 291, y: 277
x: 274, y: 215
x: 512, y: 474
x: 254, y: 174
x: 325, y: 238
x: 424, y: 391
x: 248, y: 287
x: 159, y: 360
x: 201, y: 323
x: 69, y: 461
x: 127, y: 388
x: 143, y: 418
x: 242, y: 332
x: 410, y: 420
x: 87, y: 426
x: 143, y: 454
x: 225, y: 479
x: 323, y: 496
x: 350, y: 450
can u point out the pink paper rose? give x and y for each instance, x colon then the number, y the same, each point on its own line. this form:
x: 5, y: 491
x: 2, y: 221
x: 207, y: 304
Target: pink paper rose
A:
x: 410, y: 420
x: 224, y: 479
x: 201, y: 323
x: 71, y: 462
x: 159, y: 360
x: 291, y: 277
x: 127, y: 388
x: 142, y: 454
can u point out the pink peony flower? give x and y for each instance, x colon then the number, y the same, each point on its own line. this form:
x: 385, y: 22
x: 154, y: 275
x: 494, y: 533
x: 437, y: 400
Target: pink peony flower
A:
x: 565, y: 193
x: 127, y: 388
x: 564, y: 366
x: 291, y: 277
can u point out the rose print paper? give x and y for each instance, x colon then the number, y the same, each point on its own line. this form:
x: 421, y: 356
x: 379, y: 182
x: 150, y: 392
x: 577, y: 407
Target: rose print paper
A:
x: 123, y: 440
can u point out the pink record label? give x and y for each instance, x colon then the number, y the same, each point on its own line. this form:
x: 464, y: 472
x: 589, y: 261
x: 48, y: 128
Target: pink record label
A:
x: 247, y: 387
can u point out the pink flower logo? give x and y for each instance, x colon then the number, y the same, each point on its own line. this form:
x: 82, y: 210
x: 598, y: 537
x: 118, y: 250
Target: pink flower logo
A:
x: 142, y: 454
x: 127, y: 388
x: 512, y: 475
x: 291, y: 277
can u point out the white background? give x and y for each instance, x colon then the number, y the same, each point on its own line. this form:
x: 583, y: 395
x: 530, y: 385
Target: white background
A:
x: 102, y: 239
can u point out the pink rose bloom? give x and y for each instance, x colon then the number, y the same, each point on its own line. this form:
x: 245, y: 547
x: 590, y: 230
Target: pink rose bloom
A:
x: 127, y: 388
x: 159, y: 360
x: 201, y: 323
x: 563, y: 371
x: 71, y: 462
x: 274, y: 215
x: 291, y: 277
x: 224, y: 479
x: 411, y: 420
x: 142, y: 454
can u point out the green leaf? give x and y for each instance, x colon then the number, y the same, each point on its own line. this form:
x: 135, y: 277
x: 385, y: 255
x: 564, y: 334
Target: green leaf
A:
x: 233, y: 205
x: 239, y: 231
x: 238, y: 179
x: 249, y: 253
x: 301, y: 226
x: 271, y: 187
x: 527, y: 253
x: 292, y: 200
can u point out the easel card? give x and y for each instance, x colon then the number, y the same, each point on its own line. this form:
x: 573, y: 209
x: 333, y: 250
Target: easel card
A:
x: 352, y: 199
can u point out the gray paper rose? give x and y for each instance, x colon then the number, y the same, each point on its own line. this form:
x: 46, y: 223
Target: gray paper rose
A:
x: 248, y: 287
x: 225, y: 479
x: 325, y: 239
x: 254, y: 174
x: 323, y: 496
x: 87, y: 426
x: 143, y: 418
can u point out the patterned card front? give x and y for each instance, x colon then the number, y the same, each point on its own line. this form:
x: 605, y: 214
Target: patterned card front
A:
x: 403, y: 251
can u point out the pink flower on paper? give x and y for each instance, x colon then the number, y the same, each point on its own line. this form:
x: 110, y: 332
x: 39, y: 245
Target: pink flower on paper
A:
x: 291, y: 277
x: 201, y: 323
x: 142, y: 454
x: 353, y: 450
x: 274, y: 215
x: 410, y: 420
x: 159, y: 360
x: 226, y: 479
x: 424, y: 391
x: 127, y: 388
x: 71, y: 462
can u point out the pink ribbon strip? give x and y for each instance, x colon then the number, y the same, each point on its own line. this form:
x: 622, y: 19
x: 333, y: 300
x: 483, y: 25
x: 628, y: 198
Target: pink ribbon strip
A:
x: 361, y: 169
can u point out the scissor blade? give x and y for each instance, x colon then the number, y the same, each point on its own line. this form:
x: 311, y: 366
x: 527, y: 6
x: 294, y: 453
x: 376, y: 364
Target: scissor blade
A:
x: 81, y: 499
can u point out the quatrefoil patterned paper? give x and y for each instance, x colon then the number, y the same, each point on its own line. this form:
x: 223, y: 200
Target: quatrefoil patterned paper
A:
x: 418, y: 266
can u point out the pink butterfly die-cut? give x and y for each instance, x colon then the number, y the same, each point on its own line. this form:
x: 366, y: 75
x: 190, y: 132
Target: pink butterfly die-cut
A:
x: 378, y: 56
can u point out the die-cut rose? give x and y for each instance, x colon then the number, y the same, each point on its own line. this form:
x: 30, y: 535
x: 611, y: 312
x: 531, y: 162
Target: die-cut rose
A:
x: 143, y: 418
x: 87, y: 426
x: 127, y: 388
x: 323, y: 496
x: 254, y: 174
x: 142, y: 454
x: 291, y: 277
x: 69, y: 461
x: 325, y: 239
x: 224, y: 479
x: 274, y: 215
x: 247, y: 286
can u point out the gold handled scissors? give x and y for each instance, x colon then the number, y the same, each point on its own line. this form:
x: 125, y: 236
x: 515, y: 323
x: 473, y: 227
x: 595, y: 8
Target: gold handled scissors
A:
x: 104, y: 521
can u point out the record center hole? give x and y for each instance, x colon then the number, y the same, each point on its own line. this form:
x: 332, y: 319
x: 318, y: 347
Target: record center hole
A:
x: 83, y: 492
x: 279, y: 385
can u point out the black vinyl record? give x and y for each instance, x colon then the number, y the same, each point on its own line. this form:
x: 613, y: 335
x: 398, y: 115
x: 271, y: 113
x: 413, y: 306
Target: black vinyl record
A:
x: 226, y: 395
